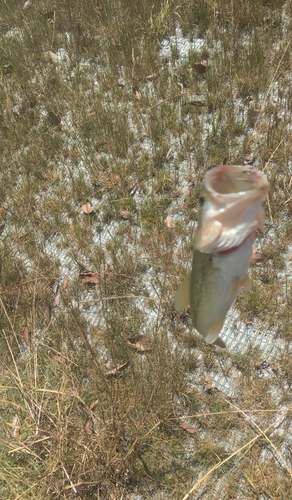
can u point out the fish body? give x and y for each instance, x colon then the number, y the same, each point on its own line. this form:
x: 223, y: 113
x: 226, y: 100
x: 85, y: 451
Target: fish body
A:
x: 230, y: 214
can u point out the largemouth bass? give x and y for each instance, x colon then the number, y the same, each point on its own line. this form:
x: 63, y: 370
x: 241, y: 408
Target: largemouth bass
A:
x: 230, y: 214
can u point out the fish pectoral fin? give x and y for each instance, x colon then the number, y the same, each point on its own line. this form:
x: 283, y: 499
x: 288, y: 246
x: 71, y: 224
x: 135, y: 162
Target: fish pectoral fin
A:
x: 246, y: 283
x: 235, y: 284
x: 183, y: 295
x: 219, y: 342
x: 214, y: 331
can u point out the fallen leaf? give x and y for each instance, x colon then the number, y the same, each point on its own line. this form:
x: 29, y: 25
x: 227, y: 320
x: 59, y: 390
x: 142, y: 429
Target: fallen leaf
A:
x: 169, y: 222
x: 87, y: 209
x: 64, y: 284
x: 117, y: 369
x: 200, y: 68
x: 15, y: 424
x: 54, y: 118
x: 137, y: 95
x: 93, y: 404
x: 125, y: 214
x: 208, y: 382
x: 149, y: 77
x: 275, y: 368
x: 55, y: 291
x: 168, y: 153
x: 50, y: 15
x: 187, y: 427
x: 248, y: 160
x: 25, y: 335
x: 26, y: 4
x: 49, y: 54
x: 89, y: 426
x: 133, y: 188
x: 89, y: 277
x: 60, y: 359
x: 57, y: 300
x: 257, y: 257
x: 47, y: 311
x: 141, y: 343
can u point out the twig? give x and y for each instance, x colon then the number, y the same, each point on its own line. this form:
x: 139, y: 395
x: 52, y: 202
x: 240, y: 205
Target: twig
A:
x: 39, y: 413
x: 264, y: 434
x: 169, y: 99
x: 68, y: 477
x: 122, y: 297
x: 17, y: 376
x: 231, y: 456
x: 11, y: 326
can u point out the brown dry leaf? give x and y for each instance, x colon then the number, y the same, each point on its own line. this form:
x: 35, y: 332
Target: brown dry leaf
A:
x: 187, y: 427
x: 168, y: 153
x: 117, y: 369
x: 57, y: 300
x: 59, y: 358
x: 49, y: 54
x: 137, y: 95
x: 257, y: 257
x: 15, y: 424
x: 25, y: 335
x: 93, y: 404
x: 208, y: 382
x: 54, y: 118
x: 49, y: 15
x: 126, y: 214
x: 200, y: 68
x: 87, y: 209
x: 248, y: 160
x: 89, y: 278
x: 190, y: 189
x: 64, y: 284
x: 169, y: 222
x: 275, y: 368
x: 47, y: 311
x: 89, y: 426
x: 141, y: 343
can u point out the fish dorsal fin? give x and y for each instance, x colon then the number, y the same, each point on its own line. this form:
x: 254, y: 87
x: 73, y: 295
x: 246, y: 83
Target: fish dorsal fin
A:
x: 182, y: 297
x: 214, y: 331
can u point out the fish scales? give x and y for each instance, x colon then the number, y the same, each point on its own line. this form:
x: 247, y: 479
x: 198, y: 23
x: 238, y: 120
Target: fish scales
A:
x: 229, y: 215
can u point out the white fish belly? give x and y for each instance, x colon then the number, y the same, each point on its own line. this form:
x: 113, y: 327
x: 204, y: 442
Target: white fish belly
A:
x: 231, y: 269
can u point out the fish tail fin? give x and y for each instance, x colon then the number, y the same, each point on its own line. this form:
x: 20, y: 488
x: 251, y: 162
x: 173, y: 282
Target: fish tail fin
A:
x: 183, y: 297
x: 219, y: 342
x: 214, y: 331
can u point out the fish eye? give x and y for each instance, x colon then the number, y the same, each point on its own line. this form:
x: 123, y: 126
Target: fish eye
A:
x: 202, y: 200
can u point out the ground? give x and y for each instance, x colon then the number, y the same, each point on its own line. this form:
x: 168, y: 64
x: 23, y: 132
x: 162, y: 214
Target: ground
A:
x: 111, y: 113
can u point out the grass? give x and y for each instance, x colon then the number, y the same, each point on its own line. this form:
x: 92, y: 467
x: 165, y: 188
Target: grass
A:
x: 96, y: 109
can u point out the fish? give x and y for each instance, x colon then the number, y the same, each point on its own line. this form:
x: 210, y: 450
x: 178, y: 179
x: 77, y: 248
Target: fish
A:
x: 230, y: 215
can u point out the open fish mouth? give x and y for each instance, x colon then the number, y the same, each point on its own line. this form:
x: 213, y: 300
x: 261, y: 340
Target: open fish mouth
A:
x: 231, y: 209
x: 232, y: 180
